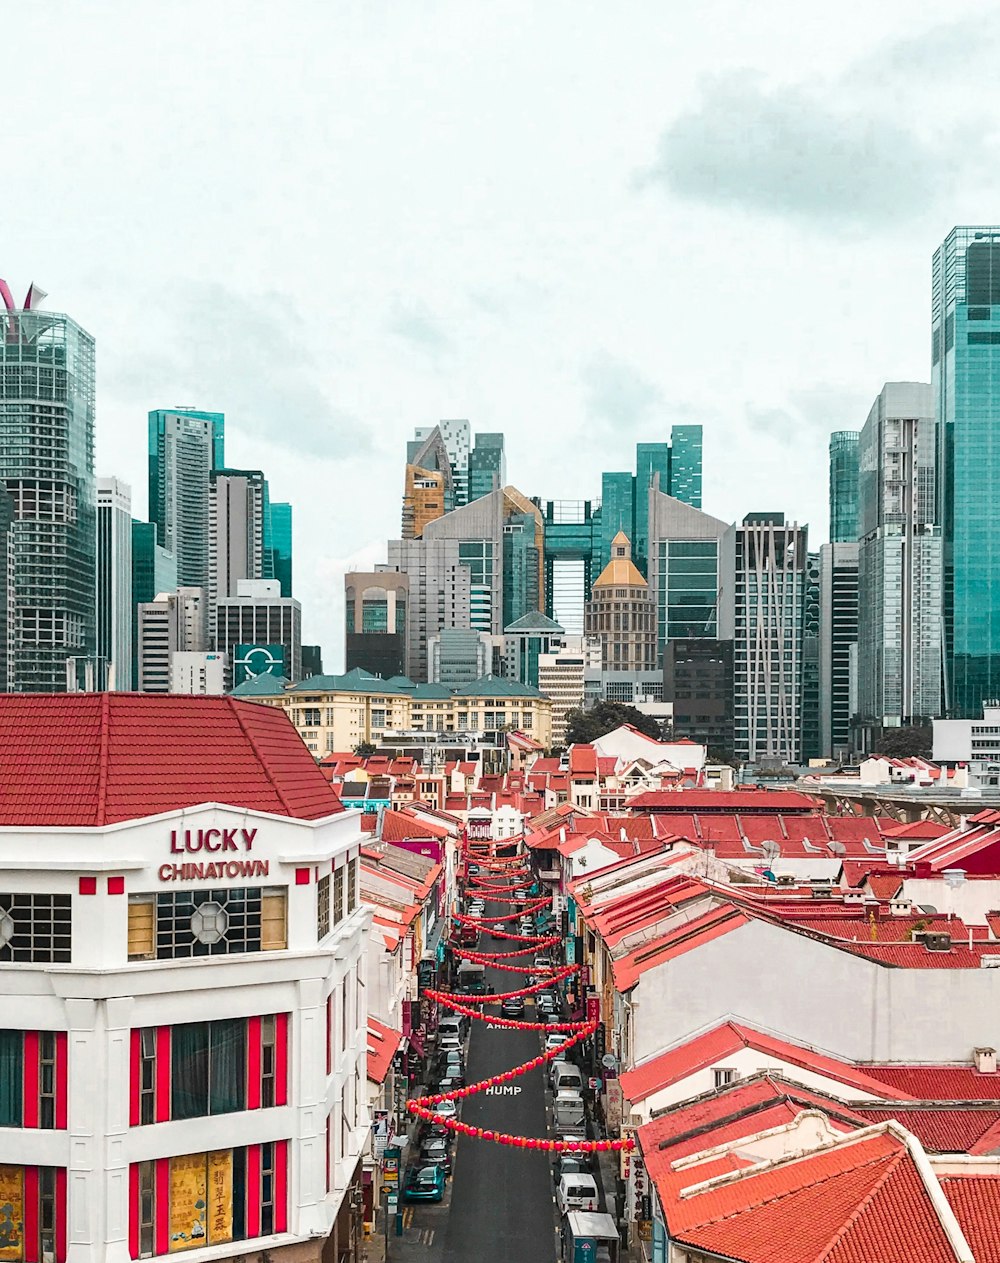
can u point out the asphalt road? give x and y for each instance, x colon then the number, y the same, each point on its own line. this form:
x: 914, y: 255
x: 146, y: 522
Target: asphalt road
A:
x: 501, y: 1197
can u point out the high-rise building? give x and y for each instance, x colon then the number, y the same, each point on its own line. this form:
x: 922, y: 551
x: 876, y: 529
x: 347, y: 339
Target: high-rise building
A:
x: 457, y: 656
x: 844, y: 504
x: 185, y: 446
x: 765, y: 621
x: 685, y: 575
x: 154, y: 570
x: 456, y: 438
x: 312, y: 660
x: 685, y: 464
x: 838, y: 648
x: 278, y: 542
x: 175, y: 622
x: 564, y: 676
x: 375, y: 607
x: 524, y: 641
x: 440, y: 594
x: 621, y: 613
x: 572, y: 552
x: 200, y: 673
x: 258, y: 625
x: 47, y: 465
x: 698, y: 682
x: 965, y: 364
x: 811, y: 600
x: 487, y: 466
x: 236, y: 529
x: 114, y: 582
x: 8, y: 610
x: 899, y: 563
x: 429, y: 483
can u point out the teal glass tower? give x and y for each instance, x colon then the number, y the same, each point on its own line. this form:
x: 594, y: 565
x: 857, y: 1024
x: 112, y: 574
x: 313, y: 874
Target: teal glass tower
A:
x: 487, y: 466
x: 844, y: 501
x: 278, y: 542
x: 47, y: 465
x: 965, y: 370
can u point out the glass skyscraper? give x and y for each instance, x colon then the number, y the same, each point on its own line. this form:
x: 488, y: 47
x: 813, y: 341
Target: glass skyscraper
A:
x: 965, y: 374
x: 844, y: 486
x: 487, y: 466
x: 185, y: 446
x: 47, y: 464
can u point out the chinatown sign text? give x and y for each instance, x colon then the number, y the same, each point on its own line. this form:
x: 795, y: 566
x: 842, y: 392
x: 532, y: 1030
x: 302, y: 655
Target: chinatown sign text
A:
x: 198, y: 841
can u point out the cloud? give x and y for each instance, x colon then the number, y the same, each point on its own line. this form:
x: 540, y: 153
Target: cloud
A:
x: 818, y: 155
x: 415, y: 323
x: 249, y: 356
x: 617, y: 393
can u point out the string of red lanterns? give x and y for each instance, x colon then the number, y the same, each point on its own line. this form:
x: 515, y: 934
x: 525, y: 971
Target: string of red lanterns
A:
x: 474, y: 1007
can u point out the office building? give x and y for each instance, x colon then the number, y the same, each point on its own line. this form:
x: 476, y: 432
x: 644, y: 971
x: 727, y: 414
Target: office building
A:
x: 572, y: 553
x: 621, y: 613
x: 252, y: 626
x: 47, y: 465
x: 175, y: 622
x: 684, y: 573
x: 440, y: 594
x: 114, y: 582
x: 154, y: 570
x: 429, y: 484
x: 844, y: 502
x: 454, y: 443
x: 458, y: 655
x: 811, y: 599
x: 8, y: 611
x: 567, y: 677
x: 278, y: 543
x: 501, y: 541
x: 525, y: 640
x: 194, y: 1082
x: 965, y: 365
x: 198, y: 673
x: 487, y: 466
x: 236, y: 529
x: 375, y: 606
x: 900, y: 562
x: 185, y: 446
x: 838, y: 648
x: 312, y: 660
x: 765, y: 622
x: 698, y: 682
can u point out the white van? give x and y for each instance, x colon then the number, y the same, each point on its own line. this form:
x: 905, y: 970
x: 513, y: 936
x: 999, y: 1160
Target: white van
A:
x: 576, y: 1192
x: 566, y: 1077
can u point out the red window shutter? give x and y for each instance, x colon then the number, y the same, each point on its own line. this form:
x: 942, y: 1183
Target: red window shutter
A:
x: 62, y: 1079
x: 281, y: 1186
x: 253, y: 1063
x: 31, y: 1205
x: 161, y: 1211
x: 281, y: 1059
x: 253, y: 1191
x: 135, y: 1080
x: 163, y: 1075
x: 133, y: 1208
x: 329, y: 1138
x: 61, y: 1215
x: 30, y: 1114
x: 329, y: 1034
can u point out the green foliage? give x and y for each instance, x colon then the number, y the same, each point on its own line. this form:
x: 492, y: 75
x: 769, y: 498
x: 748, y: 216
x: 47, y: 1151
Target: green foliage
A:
x: 583, y: 726
x: 364, y: 749
x: 904, y: 743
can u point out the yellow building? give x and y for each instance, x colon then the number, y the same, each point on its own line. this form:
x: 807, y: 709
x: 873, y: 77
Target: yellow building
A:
x: 339, y: 712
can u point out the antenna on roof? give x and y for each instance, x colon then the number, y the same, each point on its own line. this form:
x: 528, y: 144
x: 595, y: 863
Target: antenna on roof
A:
x: 838, y: 848
x: 771, y: 849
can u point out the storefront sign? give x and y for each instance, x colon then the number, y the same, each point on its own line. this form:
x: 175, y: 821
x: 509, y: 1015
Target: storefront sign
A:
x: 213, y: 871
x: 191, y: 841
x: 188, y: 1201
x: 593, y: 1008
x: 613, y: 1103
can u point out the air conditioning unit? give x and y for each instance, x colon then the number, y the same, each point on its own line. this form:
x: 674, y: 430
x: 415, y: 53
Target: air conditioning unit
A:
x: 786, y: 879
x: 989, y: 962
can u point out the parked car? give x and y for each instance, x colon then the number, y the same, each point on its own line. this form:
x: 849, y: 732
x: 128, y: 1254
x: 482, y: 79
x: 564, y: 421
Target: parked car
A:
x: 542, y: 961
x: 449, y: 1041
x: 436, y: 1151
x: 445, y: 1109
x: 424, y: 1184
x: 513, y: 1007
x: 545, y: 1002
x: 499, y: 930
x: 434, y: 1131
x: 555, y: 1039
x: 576, y: 1191
x: 571, y: 1164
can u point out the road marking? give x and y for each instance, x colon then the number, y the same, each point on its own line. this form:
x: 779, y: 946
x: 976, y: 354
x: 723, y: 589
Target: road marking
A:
x: 504, y: 1089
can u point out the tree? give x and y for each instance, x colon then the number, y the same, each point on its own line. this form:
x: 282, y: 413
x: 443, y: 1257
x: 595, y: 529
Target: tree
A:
x: 364, y: 749
x: 915, y: 741
x: 583, y: 726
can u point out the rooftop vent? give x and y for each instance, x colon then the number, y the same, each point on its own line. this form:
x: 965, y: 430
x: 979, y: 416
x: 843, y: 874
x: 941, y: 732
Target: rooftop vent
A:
x: 985, y: 1060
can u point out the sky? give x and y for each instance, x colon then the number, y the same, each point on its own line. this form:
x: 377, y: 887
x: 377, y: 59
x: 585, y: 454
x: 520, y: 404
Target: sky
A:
x: 574, y: 222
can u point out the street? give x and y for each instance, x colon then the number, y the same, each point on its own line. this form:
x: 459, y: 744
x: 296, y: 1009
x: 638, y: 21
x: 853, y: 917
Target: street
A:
x: 501, y: 1199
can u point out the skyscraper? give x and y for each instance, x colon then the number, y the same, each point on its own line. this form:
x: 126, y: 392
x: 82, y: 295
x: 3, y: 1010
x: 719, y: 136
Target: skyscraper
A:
x: 844, y: 486
x: 114, y: 581
x: 236, y: 530
x: 487, y: 466
x: 899, y: 563
x: 621, y: 614
x: 278, y: 542
x: 256, y: 626
x: 838, y: 642
x: 7, y: 607
x: 765, y: 620
x: 185, y: 446
x: 174, y: 622
x: 965, y: 365
x: 375, y: 607
x: 440, y: 594
x: 47, y: 464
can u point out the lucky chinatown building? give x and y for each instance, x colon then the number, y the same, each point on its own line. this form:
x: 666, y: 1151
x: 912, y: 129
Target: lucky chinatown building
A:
x: 183, y: 1034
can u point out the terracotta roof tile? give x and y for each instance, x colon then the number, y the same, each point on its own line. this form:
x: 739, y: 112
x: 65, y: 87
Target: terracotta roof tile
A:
x: 975, y: 1199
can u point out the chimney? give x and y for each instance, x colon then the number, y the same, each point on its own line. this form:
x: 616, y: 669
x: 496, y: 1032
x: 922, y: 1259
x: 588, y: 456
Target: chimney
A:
x: 985, y: 1059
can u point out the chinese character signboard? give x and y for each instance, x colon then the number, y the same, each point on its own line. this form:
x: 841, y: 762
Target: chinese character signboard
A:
x: 11, y: 1212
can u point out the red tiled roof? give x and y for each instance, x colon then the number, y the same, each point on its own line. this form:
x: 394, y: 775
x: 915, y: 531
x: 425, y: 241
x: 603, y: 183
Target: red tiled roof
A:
x: 729, y: 1037
x: 398, y: 826
x: 95, y: 759
x: 382, y: 1044
x: 938, y: 1083
x: 582, y: 760
x: 718, y: 800
x: 975, y: 1199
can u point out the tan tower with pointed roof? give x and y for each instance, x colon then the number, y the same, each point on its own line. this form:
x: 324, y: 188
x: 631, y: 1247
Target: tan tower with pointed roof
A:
x: 622, y: 614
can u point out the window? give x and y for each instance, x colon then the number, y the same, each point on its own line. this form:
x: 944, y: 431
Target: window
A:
x: 207, y: 1199
x: 268, y: 1061
x: 35, y: 929
x: 724, y: 1075
x: 352, y: 885
x: 338, y: 894
x: 33, y: 1214
x: 141, y: 928
x: 217, y: 922
x: 207, y: 1068
x: 273, y: 921
x: 33, y: 1079
x: 323, y: 907
x: 147, y: 1075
